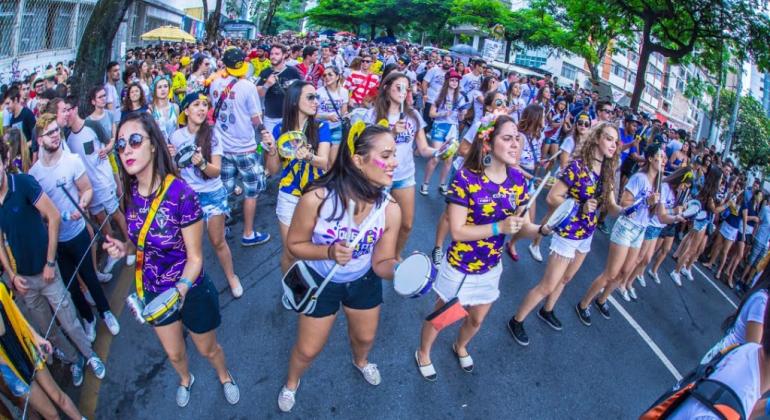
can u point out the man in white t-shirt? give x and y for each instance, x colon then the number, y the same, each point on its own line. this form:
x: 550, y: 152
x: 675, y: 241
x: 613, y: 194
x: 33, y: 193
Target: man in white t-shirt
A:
x: 62, y: 176
x: 472, y: 80
x: 84, y: 142
x: 432, y: 84
x: 238, y: 115
x: 111, y: 88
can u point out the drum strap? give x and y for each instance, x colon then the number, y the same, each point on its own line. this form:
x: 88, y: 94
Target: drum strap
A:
x: 138, y: 270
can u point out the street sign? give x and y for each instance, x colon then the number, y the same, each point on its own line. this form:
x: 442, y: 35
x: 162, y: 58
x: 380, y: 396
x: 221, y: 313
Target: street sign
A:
x: 491, y: 50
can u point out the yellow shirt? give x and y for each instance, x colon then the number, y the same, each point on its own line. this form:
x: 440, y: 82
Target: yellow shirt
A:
x: 260, y: 65
x: 178, y: 82
x: 376, y: 67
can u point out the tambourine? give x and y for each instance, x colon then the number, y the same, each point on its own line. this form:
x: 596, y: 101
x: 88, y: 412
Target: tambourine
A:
x: 562, y: 215
x: 447, y: 150
x: 162, y: 307
x: 289, y: 142
x: 183, y: 156
x: 692, y: 209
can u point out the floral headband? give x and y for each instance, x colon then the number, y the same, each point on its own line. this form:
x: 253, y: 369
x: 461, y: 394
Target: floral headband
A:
x: 487, y: 126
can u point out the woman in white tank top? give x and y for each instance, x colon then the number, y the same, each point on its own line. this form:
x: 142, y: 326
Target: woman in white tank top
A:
x: 318, y: 235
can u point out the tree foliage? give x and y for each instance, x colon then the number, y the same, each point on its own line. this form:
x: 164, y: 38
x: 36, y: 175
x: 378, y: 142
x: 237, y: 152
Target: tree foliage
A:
x: 752, y: 130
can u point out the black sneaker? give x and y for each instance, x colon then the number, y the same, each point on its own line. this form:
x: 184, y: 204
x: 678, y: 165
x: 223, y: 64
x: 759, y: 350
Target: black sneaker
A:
x: 549, y: 318
x: 437, y: 255
x: 584, y: 315
x: 604, y: 308
x: 516, y: 329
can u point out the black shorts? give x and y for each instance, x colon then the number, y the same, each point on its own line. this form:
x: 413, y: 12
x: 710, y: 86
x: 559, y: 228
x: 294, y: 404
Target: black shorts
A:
x: 363, y: 293
x: 200, y: 311
x: 669, y: 231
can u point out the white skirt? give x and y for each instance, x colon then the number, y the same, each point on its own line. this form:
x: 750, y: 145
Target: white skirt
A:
x: 478, y: 289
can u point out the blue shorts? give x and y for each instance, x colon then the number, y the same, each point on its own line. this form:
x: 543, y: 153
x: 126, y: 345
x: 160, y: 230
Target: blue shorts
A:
x: 336, y: 135
x: 439, y: 131
x: 200, y: 311
x: 403, y: 183
x: 699, y: 225
x: 363, y: 293
x: 652, y: 232
x: 214, y: 203
x: 247, y: 166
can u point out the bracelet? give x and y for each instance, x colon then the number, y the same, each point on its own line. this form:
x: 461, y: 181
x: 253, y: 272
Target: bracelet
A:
x: 203, y: 166
x: 186, y: 281
x: 540, y: 231
x: 329, y: 251
x: 495, y: 229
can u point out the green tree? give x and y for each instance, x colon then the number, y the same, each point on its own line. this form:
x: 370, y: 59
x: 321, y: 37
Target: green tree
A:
x: 751, y: 141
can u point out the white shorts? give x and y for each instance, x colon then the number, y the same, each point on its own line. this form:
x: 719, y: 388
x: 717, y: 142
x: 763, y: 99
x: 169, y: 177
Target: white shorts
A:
x: 728, y: 232
x: 284, y: 207
x: 104, y: 200
x: 478, y: 289
x: 567, y: 247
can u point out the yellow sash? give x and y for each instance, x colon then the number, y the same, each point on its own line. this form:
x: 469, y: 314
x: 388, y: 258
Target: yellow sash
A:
x: 138, y: 271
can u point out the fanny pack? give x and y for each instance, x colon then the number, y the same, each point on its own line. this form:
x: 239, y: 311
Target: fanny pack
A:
x: 302, y: 285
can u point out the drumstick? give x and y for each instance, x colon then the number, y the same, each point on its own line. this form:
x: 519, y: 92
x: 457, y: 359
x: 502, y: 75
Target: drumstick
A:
x: 351, y: 213
x: 523, y: 210
x: 555, y: 155
x: 659, y: 177
x: 402, y: 91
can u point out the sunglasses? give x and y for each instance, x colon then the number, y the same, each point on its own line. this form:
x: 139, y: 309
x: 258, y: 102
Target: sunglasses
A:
x: 50, y: 132
x: 134, y: 140
x: 312, y: 97
x: 366, y: 61
x: 607, y: 110
x: 583, y: 123
x: 500, y: 102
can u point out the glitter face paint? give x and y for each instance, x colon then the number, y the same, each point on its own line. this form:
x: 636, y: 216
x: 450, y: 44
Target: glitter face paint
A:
x: 380, y: 164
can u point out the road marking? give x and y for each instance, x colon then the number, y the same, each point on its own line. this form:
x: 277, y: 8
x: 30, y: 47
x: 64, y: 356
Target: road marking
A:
x: 89, y: 393
x: 719, y: 289
x: 655, y: 349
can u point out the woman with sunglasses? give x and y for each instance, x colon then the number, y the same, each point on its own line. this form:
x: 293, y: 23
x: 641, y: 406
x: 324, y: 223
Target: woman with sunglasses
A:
x: 584, y: 180
x: 408, y: 128
x: 484, y: 204
x: 164, y: 112
x: 638, y: 202
x: 446, y: 112
x: 574, y: 140
x: 333, y: 107
x: 362, y: 83
x: 318, y: 234
x: 488, y: 84
x: 310, y: 160
x: 516, y: 102
x: 173, y: 257
x: 202, y: 175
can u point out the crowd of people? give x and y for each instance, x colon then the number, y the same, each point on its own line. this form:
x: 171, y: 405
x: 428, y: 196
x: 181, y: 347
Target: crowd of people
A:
x: 177, y: 134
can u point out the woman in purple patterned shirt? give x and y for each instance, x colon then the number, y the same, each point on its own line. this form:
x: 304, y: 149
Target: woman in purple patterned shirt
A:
x: 484, y: 199
x: 173, y: 257
x: 582, y: 180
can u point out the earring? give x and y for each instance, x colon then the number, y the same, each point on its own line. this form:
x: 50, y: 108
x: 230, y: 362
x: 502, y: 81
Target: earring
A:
x: 487, y: 159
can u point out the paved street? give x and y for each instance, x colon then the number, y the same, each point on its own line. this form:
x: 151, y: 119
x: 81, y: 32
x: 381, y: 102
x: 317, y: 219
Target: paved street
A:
x: 609, y: 368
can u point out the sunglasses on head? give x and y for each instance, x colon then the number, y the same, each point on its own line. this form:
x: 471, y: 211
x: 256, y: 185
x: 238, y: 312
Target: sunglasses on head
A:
x: 134, y: 140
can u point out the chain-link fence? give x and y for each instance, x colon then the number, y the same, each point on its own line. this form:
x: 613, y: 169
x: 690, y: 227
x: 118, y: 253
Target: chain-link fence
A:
x: 37, y: 32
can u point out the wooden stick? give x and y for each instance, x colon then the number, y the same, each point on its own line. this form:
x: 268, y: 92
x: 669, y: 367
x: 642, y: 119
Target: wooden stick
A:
x: 351, y: 214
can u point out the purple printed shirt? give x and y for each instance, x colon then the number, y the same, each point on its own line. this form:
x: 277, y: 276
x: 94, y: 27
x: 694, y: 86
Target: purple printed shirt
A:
x: 487, y: 202
x: 164, y: 251
x: 582, y: 185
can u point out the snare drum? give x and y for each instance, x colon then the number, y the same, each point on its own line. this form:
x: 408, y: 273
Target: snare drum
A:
x: 414, y: 277
x: 162, y: 307
x: 289, y: 142
x: 561, y: 217
x: 183, y: 156
x: 692, y: 209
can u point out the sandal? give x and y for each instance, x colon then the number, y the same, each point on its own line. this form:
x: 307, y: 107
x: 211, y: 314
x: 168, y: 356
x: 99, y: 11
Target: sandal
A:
x: 466, y: 362
x: 514, y: 256
x: 428, y: 372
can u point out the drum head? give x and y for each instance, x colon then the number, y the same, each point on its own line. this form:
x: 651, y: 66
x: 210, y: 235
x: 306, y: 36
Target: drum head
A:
x: 448, y: 149
x: 562, y: 213
x: 692, y: 209
x: 163, y: 304
x: 184, y: 155
x: 412, y: 274
x: 289, y: 142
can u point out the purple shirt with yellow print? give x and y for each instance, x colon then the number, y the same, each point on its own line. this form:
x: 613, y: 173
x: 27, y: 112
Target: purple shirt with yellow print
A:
x: 582, y: 185
x: 487, y: 202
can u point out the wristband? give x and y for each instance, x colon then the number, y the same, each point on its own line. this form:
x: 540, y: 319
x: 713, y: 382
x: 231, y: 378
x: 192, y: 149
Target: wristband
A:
x: 495, y: 229
x: 186, y: 281
x: 329, y: 251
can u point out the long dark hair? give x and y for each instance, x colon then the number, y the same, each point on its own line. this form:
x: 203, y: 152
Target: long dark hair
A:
x: 649, y: 154
x: 382, y: 102
x: 531, y: 121
x: 441, y: 98
x: 203, y: 138
x: 162, y: 164
x: 127, y: 105
x: 347, y: 181
x: 291, y: 113
x: 476, y: 153
x: 762, y: 284
x: 710, y: 186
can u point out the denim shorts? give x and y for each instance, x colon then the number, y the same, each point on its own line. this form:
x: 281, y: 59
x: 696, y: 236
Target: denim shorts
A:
x: 652, y: 232
x: 214, y: 203
x: 200, y: 311
x: 669, y: 231
x: 627, y: 233
x: 439, y: 131
x: 250, y: 169
x: 363, y: 293
x: 403, y: 183
x: 728, y: 232
x: 336, y: 135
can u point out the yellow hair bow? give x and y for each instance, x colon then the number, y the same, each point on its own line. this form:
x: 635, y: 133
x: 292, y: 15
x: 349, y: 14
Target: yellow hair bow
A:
x: 384, y: 123
x: 355, y: 131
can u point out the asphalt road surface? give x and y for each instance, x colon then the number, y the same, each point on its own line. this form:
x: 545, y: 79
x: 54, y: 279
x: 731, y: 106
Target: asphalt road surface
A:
x: 613, y: 369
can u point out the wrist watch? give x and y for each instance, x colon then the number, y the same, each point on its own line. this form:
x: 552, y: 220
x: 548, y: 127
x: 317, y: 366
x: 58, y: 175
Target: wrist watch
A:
x: 203, y: 165
x: 51, y: 264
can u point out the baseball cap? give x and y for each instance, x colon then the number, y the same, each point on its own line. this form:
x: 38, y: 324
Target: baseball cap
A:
x: 404, y: 59
x: 453, y: 75
x: 631, y: 118
x: 234, y: 62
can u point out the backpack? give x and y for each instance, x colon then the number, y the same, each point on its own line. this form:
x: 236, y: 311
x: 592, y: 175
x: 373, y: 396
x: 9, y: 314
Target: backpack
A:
x: 718, y: 397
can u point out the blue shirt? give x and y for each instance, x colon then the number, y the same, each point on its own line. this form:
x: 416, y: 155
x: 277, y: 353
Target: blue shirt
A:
x: 23, y: 225
x: 762, y: 233
x: 625, y: 139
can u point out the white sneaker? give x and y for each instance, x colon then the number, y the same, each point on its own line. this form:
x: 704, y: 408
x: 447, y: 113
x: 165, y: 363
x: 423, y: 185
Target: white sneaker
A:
x: 676, y: 278
x: 90, y: 329
x: 632, y: 293
x: 371, y: 373
x: 103, y: 277
x: 654, y: 275
x: 641, y: 280
x: 110, y: 264
x: 130, y: 260
x: 89, y: 298
x: 112, y: 323
x: 287, y: 398
x: 534, y: 250
x: 624, y: 293
x: 687, y: 273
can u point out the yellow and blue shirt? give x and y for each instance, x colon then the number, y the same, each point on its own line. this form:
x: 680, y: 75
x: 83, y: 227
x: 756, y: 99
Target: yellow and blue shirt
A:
x: 297, y: 173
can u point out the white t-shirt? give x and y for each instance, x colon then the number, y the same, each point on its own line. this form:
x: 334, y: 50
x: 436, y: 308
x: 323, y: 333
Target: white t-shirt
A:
x: 435, y: 79
x: 233, y: 126
x: 63, y: 173
x: 739, y: 370
x: 752, y: 311
x: 478, y: 105
x: 639, y: 186
x: 454, y: 109
x: 470, y: 82
x: 404, y: 142
x: 530, y: 151
x: 668, y: 199
x: 86, y: 144
x: 568, y: 145
x: 520, y: 103
x: 191, y: 174
x: 113, y: 98
x: 325, y: 106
